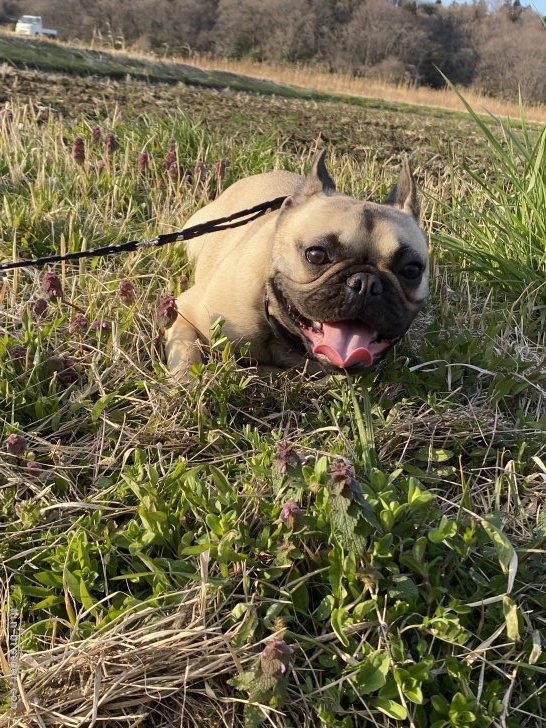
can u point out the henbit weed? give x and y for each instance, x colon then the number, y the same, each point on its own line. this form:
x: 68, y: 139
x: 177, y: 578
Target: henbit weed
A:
x: 347, y: 552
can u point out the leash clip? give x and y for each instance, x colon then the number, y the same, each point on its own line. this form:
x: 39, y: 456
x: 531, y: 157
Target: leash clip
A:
x: 150, y: 243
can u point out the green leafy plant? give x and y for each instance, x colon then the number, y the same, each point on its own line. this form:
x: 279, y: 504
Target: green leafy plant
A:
x: 352, y: 551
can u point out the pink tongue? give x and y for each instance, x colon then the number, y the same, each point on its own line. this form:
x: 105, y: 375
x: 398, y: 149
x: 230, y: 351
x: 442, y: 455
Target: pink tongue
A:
x: 345, y: 343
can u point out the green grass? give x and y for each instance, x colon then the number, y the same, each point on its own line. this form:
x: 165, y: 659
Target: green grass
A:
x: 52, y: 56
x: 504, y: 244
x: 361, y: 551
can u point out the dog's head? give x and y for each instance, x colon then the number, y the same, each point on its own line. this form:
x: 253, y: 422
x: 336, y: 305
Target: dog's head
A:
x: 347, y: 277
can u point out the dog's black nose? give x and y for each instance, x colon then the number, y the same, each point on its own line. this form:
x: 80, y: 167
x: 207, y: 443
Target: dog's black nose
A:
x: 365, y: 283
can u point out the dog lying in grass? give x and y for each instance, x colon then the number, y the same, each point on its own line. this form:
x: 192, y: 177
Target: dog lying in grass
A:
x: 326, y: 277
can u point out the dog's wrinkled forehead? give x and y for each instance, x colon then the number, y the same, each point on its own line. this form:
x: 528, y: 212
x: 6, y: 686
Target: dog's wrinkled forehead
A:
x: 389, y: 230
x: 359, y: 228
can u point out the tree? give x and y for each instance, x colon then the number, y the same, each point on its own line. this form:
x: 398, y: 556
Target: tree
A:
x: 9, y: 11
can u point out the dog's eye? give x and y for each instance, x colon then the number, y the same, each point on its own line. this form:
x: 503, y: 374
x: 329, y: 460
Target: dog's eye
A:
x: 412, y: 271
x: 317, y: 256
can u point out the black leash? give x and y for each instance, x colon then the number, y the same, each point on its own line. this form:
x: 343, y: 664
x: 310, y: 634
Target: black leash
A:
x: 223, y: 223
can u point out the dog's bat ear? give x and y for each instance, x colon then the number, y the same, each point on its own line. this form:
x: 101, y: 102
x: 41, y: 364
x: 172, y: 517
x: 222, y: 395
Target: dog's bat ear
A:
x: 404, y: 194
x: 317, y: 180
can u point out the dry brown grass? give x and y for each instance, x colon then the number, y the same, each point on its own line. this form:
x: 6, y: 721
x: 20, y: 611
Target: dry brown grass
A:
x: 340, y: 83
x: 120, y: 676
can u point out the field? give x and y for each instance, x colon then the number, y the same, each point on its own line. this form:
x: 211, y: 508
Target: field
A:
x: 357, y: 551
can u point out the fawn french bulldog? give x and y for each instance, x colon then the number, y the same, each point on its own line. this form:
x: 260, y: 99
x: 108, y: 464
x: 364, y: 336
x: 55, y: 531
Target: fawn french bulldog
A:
x: 326, y: 277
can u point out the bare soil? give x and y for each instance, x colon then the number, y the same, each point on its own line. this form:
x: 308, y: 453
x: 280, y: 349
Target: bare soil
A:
x: 379, y: 130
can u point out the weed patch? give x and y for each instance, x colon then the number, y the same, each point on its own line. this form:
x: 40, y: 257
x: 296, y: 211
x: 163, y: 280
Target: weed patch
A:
x: 349, y: 552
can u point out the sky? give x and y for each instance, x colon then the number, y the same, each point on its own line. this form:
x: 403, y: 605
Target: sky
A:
x: 538, y: 5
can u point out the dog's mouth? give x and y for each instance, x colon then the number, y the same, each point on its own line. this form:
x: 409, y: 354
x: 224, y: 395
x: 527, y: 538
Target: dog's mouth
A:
x: 343, y: 344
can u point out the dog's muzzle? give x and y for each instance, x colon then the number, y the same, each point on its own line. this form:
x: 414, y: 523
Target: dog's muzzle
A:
x: 341, y: 344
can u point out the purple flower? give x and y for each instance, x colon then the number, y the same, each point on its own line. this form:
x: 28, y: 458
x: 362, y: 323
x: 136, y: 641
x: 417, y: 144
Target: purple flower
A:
x: 52, y: 285
x: 342, y: 476
x: 40, y: 306
x: 111, y: 143
x: 33, y: 465
x: 275, y: 657
x: 126, y: 291
x: 167, y: 310
x: 78, y: 151
x: 101, y: 326
x: 285, y: 456
x: 199, y: 173
x: 291, y: 513
x: 342, y: 472
x: 96, y: 134
x: 176, y: 172
x: 143, y: 161
x: 219, y: 170
x: 78, y: 324
x: 16, y: 444
x: 169, y: 160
